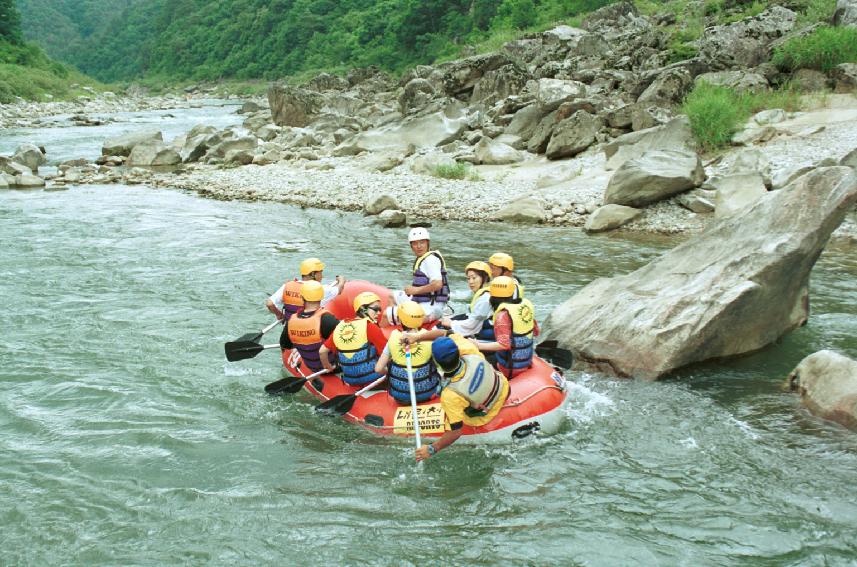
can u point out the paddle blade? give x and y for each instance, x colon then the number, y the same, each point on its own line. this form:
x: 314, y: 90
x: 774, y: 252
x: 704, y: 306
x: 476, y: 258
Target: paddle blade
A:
x: 288, y: 385
x: 556, y: 355
x: 240, y: 350
x: 249, y: 337
x: 337, y: 405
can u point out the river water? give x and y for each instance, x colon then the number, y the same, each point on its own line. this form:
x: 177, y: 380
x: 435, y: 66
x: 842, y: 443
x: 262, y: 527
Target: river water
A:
x: 127, y: 439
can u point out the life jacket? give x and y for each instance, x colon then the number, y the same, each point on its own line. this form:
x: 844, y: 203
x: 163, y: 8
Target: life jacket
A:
x: 305, y: 334
x: 480, y: 385
x: 357, y: 355
x: 420, y: 279
x: 523, y: 322
x: 486, y: 333
x: 292, y: 301
x: 426, y: 378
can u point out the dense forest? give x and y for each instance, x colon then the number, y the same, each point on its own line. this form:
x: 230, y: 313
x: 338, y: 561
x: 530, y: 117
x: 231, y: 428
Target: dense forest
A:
x: 116, y: 40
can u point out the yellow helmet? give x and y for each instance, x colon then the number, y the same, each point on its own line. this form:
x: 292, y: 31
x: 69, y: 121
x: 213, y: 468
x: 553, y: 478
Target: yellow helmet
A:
x: 365, y: 298
x: 311, y: 265
x: 502, y: 260
x: 411, y: 314
x: 503, y: 287
x: 312, y: 291
x: 478, y: 266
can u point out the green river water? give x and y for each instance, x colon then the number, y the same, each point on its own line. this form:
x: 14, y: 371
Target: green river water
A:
x: 127, y: 439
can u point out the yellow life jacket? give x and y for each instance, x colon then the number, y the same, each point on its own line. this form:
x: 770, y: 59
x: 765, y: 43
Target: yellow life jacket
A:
x: 523, y: 323
x: 357, y: 356
x: 478, y: 383
x: 425, y: 376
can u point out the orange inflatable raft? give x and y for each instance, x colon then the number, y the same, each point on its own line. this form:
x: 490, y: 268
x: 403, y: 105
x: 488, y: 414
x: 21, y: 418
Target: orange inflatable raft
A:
x: 536, y: 402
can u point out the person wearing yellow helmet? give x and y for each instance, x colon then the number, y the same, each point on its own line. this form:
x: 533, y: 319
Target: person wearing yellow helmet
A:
x: 357, y: 342
x: 430, y: 285
x: 307, y: 329
x: 515, y: 327
x: 472, y: 392
x: 287, y: 301
x: 503, y: 265
x: 477, y: 321
x: 393, y: 360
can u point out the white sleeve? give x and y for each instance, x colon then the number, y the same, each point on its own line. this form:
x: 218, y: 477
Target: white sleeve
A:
x: 277, y: 298
x: 473, y: 323
x: 431, y: 268
x: 330, y: 293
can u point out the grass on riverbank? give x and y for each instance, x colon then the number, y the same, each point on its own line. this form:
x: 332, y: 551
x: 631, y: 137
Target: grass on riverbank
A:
x: 716, y: 113
x: 458, y: 171
x: 823, y: 49
x: 26, y: 72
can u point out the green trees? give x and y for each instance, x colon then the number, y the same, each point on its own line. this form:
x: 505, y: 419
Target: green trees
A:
x: 268, y: 39
x: 10, y: 22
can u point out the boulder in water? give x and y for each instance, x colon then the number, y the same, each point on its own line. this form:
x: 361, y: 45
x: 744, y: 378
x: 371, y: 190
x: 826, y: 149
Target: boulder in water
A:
x: 827, y: 383
x: 733, y: 289
x: 122, y: 145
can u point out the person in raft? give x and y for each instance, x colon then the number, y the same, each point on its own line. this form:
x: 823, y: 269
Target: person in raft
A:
x: 286, y: 301
x: 393, y: 360
x: 515, y: 327
x: 472, y: 393
x: 477, y: 321
x: 358, y: 342
x: 429, y: 286
x: 504, y: 265
x: 307, y: 329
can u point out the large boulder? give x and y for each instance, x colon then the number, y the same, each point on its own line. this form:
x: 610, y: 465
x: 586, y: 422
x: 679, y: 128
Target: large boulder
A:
x: 230, y: 144
x: 28, y: 181
x: 740, y: 81
x: 674, y: 135
x: 30, y: 156
x: 415, y: 95
x: 573, y: 135
x: 845, y: 13
x: 293, y: 106
x: 525, y: 121
x: 440, y: 123
x: 734, y: 289
x: 489, y: 152
x: 550, y: 93
x: 153, y: 154
x: 122, y: 145
x: 498, y: 84
x: 654, y: 176
x: 460, y: 76
x: 609, y: 217
x: 745, y: 43
x: 526, y: 210
x: 670, y: 86
x: 827, y: 383
x: 737, y: 192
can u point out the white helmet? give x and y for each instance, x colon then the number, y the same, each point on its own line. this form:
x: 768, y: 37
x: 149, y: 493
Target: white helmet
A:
x: 418, y: 233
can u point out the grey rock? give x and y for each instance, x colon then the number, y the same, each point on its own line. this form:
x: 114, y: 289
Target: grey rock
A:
x: 845, y: 13
x: 609, y: 217
x: 849, y: 159
x: 29, y: 155
x: 392, y: 219
x: 745, y: 43
x: 740, y: 81
x: 489, y: 152
x: 380, y: 203
x: 525, y: 122
x: 153, y: 154
x: 827, y: 383
x: 695, y: 203
x: 238, y: 157
x: 293, y: 106
x: 750, y: 136
x: 526, y: 210
x: 737, y: 193
x: 809, y: 80
x: 415, y: 95
x: 498, y: 84
x: 671, y: 86
x: 655, y: 175
x: 674, y: 135
x: 737, y: 287
x: 844, y: 77
x: 573, y: 135
x: 785, y: 176
x: 122, y: 145
x: 540, y: 137
x: 550, y: 93
x: 28, y: 181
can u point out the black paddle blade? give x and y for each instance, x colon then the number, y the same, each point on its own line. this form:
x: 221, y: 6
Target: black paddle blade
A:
x: 337, y: 405
x: 249, y: 337
x: 239, y: 350
x: 288, y: 385
x: 556, y: 355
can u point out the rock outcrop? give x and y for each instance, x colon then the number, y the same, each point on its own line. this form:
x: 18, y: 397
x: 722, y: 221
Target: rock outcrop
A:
x: 122, y: 145
x: 827, y: 383
x: 654, y: 176
x: 734, y: 289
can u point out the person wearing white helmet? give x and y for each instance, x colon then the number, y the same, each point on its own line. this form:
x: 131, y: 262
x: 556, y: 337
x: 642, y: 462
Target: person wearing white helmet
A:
x: 429, y: 286
x: 287, y: 301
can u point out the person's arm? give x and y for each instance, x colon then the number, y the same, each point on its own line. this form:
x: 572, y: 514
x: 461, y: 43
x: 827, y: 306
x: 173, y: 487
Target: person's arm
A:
x: 412, y: 337
x: 469, y: 326
x: 536, y: 329
x: 502, y: 334
x: 328, y: 324
x: 383, y: 361
x: 274, y: 303
x: 324, y: 353
x: 376, y: 337
x: 340, y: 283
x: 447, y: 439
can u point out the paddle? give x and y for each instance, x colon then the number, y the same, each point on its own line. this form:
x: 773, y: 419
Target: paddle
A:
x: 290, y: 384
x: 255, y: 337
x: 555, y: 354
x: 342, y: 404
x: 239, y: 350
x: 413, y: 396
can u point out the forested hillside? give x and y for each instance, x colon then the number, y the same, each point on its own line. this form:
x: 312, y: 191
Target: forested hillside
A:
x: 248, y: 39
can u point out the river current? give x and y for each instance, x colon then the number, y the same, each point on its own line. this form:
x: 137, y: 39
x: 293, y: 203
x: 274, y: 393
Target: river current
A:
x: 127, y: 439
